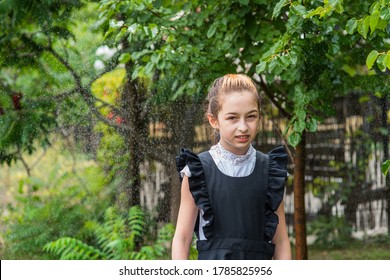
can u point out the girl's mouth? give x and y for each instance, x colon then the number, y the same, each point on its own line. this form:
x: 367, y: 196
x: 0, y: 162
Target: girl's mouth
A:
x: 242, y: 138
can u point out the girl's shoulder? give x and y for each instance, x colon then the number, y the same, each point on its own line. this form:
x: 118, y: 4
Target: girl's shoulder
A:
x: 194, y: 161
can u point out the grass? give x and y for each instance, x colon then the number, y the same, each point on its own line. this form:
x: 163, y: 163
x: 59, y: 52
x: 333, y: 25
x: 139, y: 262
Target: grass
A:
x: 373, y: 248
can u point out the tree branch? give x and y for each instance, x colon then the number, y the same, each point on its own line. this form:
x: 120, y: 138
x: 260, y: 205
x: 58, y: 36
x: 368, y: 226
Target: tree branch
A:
x: 20, y: 157
x: 284, y: 140
x: 272, y: 97
x: 87, y: 96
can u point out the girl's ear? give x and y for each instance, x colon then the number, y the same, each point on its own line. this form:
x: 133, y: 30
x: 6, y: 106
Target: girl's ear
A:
x: 213, y: 121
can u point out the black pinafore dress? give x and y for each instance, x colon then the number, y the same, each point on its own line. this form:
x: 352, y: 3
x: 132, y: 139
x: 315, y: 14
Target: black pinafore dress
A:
x: 239, y: 211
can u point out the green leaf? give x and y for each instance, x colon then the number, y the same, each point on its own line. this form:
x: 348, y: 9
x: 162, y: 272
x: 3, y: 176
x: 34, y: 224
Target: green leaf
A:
x: 299, y: 10
x: 294, y: 139
x: 261, y: 67
x: 374, y: 19
x: 211, y: 30
x: 124, y: 57
x: 301, y: 114
x: 382, y: 24
x: 385, y: 167
x: 278, y: 8
x: 380, y: 62
x: 372, y: 56
x: 364, y: 26
x: 312, y: 125
x: 385, y: 13
x: 244, y: 2
x: 299, y: 125
x: 375, y: 7
x: 351, y: 25
x: 272, y: 64
x: 294, y: 57
x: 317, y: 11
x: 386, y: 61
x: 339, y: 8
x: 136, y: 71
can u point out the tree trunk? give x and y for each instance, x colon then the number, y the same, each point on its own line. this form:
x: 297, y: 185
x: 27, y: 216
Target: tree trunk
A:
x: 133, y: 98
x: 299, y: 201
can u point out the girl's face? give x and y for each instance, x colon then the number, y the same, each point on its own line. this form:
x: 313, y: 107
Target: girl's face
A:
x: 237, y: 121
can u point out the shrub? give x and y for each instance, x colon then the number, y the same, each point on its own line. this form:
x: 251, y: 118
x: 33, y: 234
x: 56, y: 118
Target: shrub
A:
x: 117, y: 238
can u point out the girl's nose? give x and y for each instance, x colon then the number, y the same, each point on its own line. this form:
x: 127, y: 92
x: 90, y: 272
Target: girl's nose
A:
x: 243, y: 127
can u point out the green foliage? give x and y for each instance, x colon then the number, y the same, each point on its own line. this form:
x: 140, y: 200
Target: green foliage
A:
x: 117, y: 238
x: 46, y: 209
x: 41, y: 45
x: 73, y: 249
x: 309, y: 59
x: 330, y: 231
x: 20, y: 130
x: 376, y: 21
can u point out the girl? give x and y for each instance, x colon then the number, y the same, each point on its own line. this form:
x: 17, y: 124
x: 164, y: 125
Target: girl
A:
x: 232, y: 195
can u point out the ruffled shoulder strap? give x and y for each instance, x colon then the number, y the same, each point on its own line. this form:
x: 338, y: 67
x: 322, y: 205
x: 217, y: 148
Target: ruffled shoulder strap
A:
x: 277, y: 175
x: 181, y: 160
x: 198, y: 188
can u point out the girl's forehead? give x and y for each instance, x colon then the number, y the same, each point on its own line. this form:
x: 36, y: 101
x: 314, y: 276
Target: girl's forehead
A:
x: 245, y: 96
x: 238, y: 99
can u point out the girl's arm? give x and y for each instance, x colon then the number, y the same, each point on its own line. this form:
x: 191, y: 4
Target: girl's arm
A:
x: 281, y: 241
x: 185, y: 223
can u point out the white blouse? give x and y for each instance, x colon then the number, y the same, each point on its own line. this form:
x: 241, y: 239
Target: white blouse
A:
x: 229, y: 163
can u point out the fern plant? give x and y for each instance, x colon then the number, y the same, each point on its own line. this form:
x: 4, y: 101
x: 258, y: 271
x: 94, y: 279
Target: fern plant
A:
x: 117, y: 238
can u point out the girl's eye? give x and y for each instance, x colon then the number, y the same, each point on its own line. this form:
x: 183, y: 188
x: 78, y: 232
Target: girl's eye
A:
x: 252, y: 116
x: 231, y: 118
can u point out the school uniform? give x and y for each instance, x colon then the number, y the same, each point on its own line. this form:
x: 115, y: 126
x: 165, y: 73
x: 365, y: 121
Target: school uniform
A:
x: 237, y: 197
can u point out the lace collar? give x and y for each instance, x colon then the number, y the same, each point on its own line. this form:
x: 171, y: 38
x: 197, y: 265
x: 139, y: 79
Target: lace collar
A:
x: 225, y: 155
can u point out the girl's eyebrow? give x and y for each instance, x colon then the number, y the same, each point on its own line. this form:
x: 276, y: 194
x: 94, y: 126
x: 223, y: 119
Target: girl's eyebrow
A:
x: 234, y: 113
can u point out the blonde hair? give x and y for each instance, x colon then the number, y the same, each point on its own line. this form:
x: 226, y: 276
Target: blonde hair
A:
x: 227, y: 84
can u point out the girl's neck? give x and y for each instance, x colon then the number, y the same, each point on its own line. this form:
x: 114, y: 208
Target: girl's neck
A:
x: 228, y: 155
x: 234, y: 155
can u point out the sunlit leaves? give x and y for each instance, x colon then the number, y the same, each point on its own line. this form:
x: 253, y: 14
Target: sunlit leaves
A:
x: 371, y: 58
x: 377, y: 19
x: 382, y: 61
x: 329, y: 7
x: 374, y: 20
